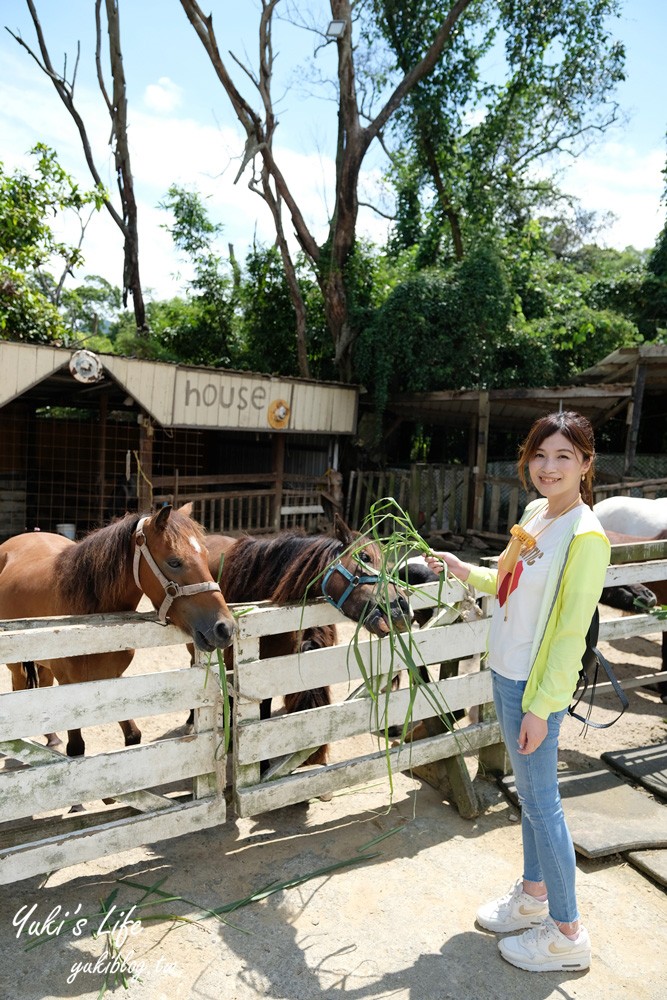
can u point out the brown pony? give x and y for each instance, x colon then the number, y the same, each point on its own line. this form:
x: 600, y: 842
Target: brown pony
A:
x: 292, y: 566
x: 161, y: 555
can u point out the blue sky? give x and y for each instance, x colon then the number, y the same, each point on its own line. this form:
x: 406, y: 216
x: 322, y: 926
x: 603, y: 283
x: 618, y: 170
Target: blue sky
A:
x: 182, y: 128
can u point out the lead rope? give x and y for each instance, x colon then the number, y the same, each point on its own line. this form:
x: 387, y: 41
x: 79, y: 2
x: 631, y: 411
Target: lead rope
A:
x: 172, y: 590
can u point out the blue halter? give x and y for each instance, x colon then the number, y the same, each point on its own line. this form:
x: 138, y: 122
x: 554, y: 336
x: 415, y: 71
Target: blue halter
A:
x: 353, y: 580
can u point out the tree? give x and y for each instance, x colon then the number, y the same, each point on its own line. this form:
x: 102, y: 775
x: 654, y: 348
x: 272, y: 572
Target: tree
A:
x: 520, y: 80
x: 30, y: 295
x: 653, y: 294
x: 200, y: 329
x: 126, y: 219
x: 330, y: 258
x: 449, y: 329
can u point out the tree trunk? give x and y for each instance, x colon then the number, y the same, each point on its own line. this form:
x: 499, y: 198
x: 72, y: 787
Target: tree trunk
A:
x: 353, y: 142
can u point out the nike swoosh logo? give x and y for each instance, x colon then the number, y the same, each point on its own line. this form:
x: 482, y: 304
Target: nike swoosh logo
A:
x: 526, y: 912
x: 556, y: 950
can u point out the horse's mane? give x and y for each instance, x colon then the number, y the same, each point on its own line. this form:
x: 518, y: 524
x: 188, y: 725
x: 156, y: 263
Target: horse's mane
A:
x: 277, y: 569
x: 92, y: 575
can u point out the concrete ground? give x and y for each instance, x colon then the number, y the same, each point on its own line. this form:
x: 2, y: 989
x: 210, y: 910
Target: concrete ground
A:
x: 398, y: 924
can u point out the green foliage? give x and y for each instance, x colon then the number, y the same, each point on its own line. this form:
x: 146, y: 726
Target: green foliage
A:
x: 200, y: 329
x: 449, y: 330
x: 91, y: 311
x: 652, y: 311
x: 267, y: 315
x: 518, y: 81
x: 29, y: 294
x: 25, y: 313
x: 28, y: 200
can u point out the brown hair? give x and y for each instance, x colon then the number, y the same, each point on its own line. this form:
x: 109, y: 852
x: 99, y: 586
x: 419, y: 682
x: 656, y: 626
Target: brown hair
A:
x: 576, y: 429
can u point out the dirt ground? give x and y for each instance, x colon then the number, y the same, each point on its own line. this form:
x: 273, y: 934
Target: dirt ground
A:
x: 395, y: 919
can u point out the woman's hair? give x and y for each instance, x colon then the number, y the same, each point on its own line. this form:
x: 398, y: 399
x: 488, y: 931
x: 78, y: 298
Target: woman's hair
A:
x: 576, y: 429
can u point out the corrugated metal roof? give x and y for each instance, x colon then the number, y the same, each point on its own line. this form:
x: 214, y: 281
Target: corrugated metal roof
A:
x: 180, y: 395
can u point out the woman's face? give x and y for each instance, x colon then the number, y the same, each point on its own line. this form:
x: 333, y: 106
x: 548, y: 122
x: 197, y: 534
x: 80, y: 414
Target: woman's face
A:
x: 556, y: 469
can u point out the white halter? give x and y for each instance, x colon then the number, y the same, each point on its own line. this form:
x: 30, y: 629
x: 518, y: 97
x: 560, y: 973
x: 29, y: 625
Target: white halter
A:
x: 172, y: 590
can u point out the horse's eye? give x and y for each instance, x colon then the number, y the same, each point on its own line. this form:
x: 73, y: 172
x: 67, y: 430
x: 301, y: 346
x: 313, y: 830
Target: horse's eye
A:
x: 175, y: 563
x: 364, y: 557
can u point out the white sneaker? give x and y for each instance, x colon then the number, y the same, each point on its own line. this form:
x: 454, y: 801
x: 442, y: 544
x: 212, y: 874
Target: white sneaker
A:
x: 513, y: 912
x: 545, y: 949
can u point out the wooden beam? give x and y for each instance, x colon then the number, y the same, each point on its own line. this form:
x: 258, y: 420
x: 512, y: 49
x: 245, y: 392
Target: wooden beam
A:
x: 634, y: 418
x: 279, y: 474
x: 479, y: 470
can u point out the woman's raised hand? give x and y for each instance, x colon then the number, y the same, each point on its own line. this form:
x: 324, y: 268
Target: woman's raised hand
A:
x: 437, y: 561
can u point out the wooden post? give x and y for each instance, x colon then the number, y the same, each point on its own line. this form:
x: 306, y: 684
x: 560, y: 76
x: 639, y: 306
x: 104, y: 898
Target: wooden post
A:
x: 634, y: 418
x: 102, y: 459
x: 279, y: 473
x: 479, y: 471
x: 145, y: 470
x: 449, y: 775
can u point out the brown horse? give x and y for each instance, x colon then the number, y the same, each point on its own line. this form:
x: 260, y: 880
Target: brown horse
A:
x: 161, y: 555
x: 292, y: 566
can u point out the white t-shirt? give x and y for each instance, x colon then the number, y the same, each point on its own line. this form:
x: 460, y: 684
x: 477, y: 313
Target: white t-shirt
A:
x: 515, y: 616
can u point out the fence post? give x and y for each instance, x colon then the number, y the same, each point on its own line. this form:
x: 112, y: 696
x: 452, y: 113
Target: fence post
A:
x: 479, y: 471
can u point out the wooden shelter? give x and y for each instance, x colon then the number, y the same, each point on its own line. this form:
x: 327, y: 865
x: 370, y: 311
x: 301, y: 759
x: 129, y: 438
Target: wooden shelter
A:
x: 84, y: 437
x: 630, y: 381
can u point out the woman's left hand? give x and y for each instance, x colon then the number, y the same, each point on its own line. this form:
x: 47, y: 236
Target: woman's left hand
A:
x: 532, y: 733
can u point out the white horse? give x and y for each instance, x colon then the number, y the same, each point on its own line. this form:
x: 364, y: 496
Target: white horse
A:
x: 633, y: 515
x: 628, y: 519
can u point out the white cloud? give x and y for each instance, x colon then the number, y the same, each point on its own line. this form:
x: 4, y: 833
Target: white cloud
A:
x: 617, y: 178
x: 163, y: 97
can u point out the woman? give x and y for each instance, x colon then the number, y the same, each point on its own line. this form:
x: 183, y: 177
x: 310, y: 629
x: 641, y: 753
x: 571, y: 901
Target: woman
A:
x: 547, y: 586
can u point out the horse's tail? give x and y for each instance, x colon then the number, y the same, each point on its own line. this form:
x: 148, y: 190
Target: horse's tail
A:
x: 31, y: 674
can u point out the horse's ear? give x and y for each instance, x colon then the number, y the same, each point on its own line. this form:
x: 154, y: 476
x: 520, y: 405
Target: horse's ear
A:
x: 186, y: 509
x: 341, y: 530
x: 162, y: 516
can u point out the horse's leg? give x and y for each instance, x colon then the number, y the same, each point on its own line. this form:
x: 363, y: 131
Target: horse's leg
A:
x: 131, y: 732
x: 29, y: 675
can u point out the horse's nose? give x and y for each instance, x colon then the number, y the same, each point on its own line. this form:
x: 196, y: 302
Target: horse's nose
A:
x: 224, y: 632
x: 400, y: 608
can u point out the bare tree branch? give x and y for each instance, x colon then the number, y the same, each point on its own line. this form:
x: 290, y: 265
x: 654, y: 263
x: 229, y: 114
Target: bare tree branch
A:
x: 127, y: 222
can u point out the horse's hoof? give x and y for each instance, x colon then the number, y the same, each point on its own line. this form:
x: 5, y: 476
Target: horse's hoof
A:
x: 53, y: 740
x: 109, y: 802
x: 77, y: 809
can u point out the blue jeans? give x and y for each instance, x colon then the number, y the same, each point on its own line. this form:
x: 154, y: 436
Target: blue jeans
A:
x: 548, y: 852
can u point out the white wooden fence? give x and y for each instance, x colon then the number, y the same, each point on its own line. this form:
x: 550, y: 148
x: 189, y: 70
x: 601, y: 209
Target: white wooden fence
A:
x: 31, y: 843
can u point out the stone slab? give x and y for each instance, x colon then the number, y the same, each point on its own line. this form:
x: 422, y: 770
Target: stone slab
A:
x: 651, y: 863
x: 645, y: 765
x: 605, y: 814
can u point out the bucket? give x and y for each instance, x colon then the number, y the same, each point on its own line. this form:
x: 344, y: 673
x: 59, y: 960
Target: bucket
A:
x: 68, y: 530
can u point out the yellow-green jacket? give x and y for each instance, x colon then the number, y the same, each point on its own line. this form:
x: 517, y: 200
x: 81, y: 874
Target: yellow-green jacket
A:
x: 572, y: 590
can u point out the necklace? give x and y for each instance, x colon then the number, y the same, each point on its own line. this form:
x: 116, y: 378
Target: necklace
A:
x: 523, y: 541
x: 550, y: 521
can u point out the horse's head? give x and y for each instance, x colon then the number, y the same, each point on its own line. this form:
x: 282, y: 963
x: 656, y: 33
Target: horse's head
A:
x: 354, y: 585
x: 629, y: 597
x: 170, y: 566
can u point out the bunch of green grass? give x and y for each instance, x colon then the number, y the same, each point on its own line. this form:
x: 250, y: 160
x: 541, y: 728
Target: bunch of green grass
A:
x: 391, y: 528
